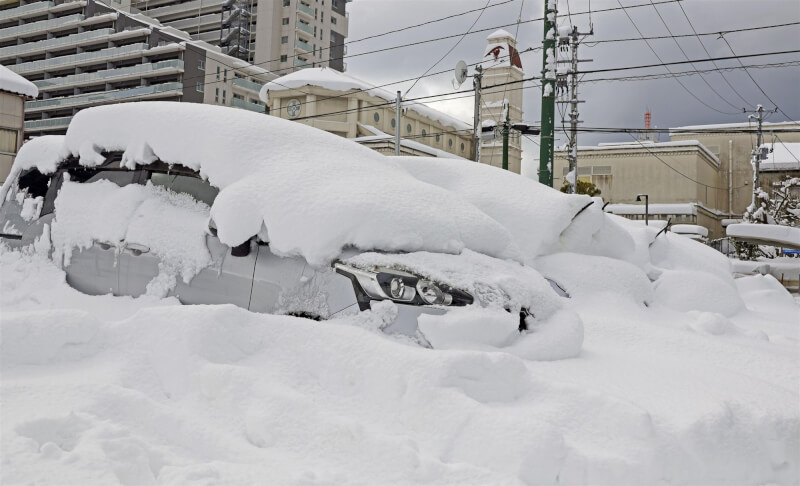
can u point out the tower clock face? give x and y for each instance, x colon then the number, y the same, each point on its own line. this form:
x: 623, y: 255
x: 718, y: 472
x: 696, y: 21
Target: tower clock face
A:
x: 293, y: 108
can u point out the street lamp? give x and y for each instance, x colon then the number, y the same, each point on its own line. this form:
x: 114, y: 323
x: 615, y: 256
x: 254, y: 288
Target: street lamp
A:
x: 646, y: 207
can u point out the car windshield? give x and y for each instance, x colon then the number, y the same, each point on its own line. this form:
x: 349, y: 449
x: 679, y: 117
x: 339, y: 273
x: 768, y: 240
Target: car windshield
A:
x: 194, y: 186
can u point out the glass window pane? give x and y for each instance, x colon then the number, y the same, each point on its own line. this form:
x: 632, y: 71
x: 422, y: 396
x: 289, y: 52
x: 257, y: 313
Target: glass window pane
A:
x: 194, y: 186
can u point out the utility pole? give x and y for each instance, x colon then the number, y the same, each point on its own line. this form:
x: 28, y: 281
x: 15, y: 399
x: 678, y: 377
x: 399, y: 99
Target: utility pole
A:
x: 546, y: 140
x: 506, y: 128
x: 757, y: 153
x: 397, y: 116
x: 572, y: 148
x: 476, y: 83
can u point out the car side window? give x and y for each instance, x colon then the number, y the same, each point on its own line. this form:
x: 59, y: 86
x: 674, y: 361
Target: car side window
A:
x: 119, y: 177
x: 192, y: 185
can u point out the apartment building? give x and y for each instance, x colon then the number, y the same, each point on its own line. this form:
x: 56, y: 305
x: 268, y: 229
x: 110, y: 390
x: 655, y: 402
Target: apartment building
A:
x: 278, y: 35
x: 82, y: 53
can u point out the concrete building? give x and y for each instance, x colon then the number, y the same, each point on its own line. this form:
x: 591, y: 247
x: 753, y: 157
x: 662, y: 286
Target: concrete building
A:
x: 783, y: 160
x: 702, y: 176
x: 14, y: 90
x: 351, y: 108
x: 85, y: 53
x: 279, y: 35
x: 501, y: 64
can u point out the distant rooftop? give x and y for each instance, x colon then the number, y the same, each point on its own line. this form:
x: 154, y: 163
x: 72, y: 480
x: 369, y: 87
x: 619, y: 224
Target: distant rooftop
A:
x: 782, y: 156
x: 648, y: 145
x: 14, y: 83
x: 737, y: 125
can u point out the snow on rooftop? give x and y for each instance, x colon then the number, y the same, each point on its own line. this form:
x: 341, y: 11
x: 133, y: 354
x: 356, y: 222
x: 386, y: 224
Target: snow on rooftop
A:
x: 783, y: 156
x: 645, y: 145
x: 734, y: 125
x: 380, y: 136
x: 14, y: 83
x: 688, y: 208
x: 315, y: 192
x: 337, y: 81
x: 500, y: 34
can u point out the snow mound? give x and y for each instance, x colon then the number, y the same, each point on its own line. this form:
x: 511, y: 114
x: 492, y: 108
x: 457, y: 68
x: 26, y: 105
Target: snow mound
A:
x: 688, y: 290
x: 584, y: 275
x: 14, y: 83
x: 315, y: 192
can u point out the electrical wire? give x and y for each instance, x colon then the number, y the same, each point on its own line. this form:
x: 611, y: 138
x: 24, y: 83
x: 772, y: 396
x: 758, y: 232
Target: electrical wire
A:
x: 665, y: 64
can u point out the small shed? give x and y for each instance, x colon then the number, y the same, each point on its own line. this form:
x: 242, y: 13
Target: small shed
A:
x: 14, y: 91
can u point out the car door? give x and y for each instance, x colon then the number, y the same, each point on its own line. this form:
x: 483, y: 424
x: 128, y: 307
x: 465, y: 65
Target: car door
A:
x: 226, y: 280
x: 94, y: 270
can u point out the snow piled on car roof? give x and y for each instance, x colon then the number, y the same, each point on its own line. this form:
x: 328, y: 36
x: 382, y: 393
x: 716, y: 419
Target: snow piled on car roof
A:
x: 316, y: 193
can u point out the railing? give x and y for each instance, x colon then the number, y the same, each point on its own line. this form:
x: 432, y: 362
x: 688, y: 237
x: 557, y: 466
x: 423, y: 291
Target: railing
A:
x: 248, y: 105
x: 60, y: 122
x: 43, y: 25
x: 300, y: 63
x: 102, y: 96
x: 109, y: 74
x: 249, y: 85
x: 302, y: 45
x: 304, y: 27
x: 47, y: 44
x: 78, y: 58
x: 310, y: 11
x: 31, y: 7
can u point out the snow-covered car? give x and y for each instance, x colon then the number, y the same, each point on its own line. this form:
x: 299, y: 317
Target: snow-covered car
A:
x: 214, y: 205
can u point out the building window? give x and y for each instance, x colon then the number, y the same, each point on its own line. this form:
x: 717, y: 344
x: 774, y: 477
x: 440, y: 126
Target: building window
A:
x: 462, y: 146
x: 286, y: 3
x: 438, y: 137
x: 424, y: 133
x: 376, y: 117
x: 8, y: 140
x: 285, y: 21
x: 200, y: 87
x: 284, y: 57
x: 333, y: 20
x: 218, y: 70
x: 335, y: 3
x: 201, y: 64
x: 225, y: 76
x: 216, y: 95
x: 284, y: 40
x: 450, y: 143
x: 393, y: 123
x: 408, y: 128
x: 223, y: 99
x: 322, y: 16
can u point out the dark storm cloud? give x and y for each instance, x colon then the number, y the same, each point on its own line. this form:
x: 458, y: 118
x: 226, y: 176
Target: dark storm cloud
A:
x: 608, y: 104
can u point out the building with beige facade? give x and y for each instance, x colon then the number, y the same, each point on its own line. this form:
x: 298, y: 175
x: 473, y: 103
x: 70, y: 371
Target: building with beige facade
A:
x: 351, y: 108
x: 14, y: 90
x: 501, y: 65
x: 702, y: 176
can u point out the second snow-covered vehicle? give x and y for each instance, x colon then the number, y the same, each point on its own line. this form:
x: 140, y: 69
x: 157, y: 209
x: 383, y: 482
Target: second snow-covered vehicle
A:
x: 214, y: 205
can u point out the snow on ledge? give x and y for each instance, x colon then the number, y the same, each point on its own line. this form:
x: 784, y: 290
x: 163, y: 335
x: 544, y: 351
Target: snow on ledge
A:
x: 766, y: 234
x: 14, y: 83
x: 688, y: 208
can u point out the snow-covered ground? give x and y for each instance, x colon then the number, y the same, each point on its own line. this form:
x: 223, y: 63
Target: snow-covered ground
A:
x: 108, y: 390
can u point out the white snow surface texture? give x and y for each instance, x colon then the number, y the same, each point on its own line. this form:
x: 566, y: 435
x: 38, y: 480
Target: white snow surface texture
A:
x: 114, y: 390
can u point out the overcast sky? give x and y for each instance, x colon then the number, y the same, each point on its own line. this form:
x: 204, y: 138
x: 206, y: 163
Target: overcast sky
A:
x: 608, y: 104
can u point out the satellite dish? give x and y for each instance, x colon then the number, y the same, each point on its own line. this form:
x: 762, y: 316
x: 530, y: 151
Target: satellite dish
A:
x: 460, y: 74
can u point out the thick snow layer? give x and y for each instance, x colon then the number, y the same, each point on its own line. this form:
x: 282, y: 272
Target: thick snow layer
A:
x: 582, y: 275
x: 315, y: 192
x: 14, y: 83
x: 689, y: 229
x: 379, y: 136
x: 44, y: 153
x: 107, y: 390
x: 337, y: 81
x: 786, y: 236
x: 676, y: 208
x: 688, y: 290
x: 534, y: 214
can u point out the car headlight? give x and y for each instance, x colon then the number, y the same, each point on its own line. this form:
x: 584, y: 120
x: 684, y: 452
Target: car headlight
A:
x: 403, y: 287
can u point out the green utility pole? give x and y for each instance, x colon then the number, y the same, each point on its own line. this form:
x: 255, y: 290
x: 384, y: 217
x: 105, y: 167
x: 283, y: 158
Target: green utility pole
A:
x: 506, y: 128
x: 548, y: 93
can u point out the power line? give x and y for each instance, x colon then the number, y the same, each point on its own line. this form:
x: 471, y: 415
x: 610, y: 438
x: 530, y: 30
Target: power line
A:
x: 665, y: 64
x: 687, y: 57
x: 724, y: 32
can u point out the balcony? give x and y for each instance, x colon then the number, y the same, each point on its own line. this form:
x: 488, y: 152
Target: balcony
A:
x: 237, y: 103
x: 167, y: 13
x: 51, y: 44
x: 25, y: 10
x: 83, y: 58
x: 305, y: 28
x: 194, y: 25
x: 306, y: 10
x: 248, y: 85
x: 40, y: 27
x: 111, y: 75
x: 301, y: 63
x: 302, y: 45
x: 101, y: 98
x: 47, y: 124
